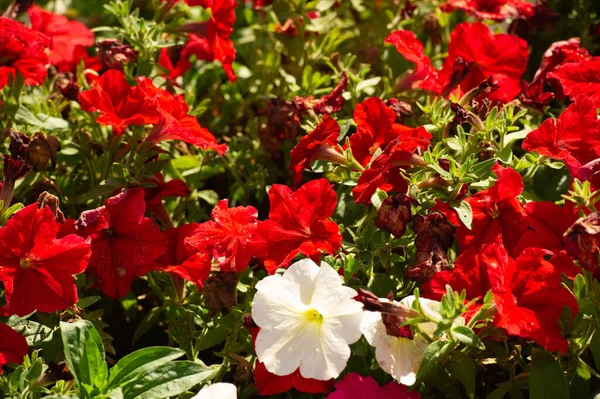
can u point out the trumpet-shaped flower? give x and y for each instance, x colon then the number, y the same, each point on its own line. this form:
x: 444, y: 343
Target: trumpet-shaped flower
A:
x: 307, y: 319
x: 399, y: 353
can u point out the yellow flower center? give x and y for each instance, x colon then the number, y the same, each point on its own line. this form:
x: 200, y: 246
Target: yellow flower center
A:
x: 26, y: 263
x: 312, y: 316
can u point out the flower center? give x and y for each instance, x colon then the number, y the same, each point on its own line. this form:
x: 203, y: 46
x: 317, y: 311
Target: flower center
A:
x: 312, y: 316
x: 26, y: 263
x: 109, y: 231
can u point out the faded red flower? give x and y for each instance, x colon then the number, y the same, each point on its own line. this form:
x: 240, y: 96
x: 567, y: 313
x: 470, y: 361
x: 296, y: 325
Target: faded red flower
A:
x: 327, y: 104
x: 227, y: 236
x: 125, y: 244
x: 582, y: 241
x: 355, y: 386
x: 580, y: 79
x: 65, y: 36
x: 573, y: 137
x: 298, y: 223
x: 36, y: 267
x: 435, y: 235
x: 182, y: 260
x: 24, y: 51
x: 528, y: 294
x: 113, y: 54
x: 13, y: 346
x: 496, y: 10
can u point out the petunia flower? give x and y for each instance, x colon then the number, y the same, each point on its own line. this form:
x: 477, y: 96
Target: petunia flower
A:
x: 227, y: 236
x: 183, y: 261
x: 307, y: 320
x: 125, y: 244
x: 355, y: 386
x: 24, y: 51
x: 580, y: 79
x: 66, y: 36
x: 36, y: 267
x: 474, y: 55
x: 221, y: 390
x: 298, y: 223
x: 154, y: 195
x: 573, y: 137
x: 529, y: 295
x: 496, y: 10
x: 398, y: 354
x: 13, y: 346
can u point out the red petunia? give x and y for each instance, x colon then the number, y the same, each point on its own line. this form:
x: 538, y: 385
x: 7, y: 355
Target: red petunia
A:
x: 298, y: 223
x: 227, y: 236
x: 474, y: 55
x: 125, y: 244
x: 154, y: 195
x: 496, y: 10
x: 573, y: 137
x: 496, y: 212
x: 65, y: 36
x: 580, y: 79
x: 119, y: 104
x: 412, y: 49
x: 24, y: 51
x: 13, y: 346
x: 182, y: 260
x: 529, y: 296
x: 36, y: 267
x: 319, y: 144
x: 355, y: 386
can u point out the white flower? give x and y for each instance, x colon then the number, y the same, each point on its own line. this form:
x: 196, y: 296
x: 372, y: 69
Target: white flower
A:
x: 220, y: 390
x: 307, y: 320
x: 398, y: 356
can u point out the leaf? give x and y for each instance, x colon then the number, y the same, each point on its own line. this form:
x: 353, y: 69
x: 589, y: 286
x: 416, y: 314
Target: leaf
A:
x: 150, y: 319
x: 431, y: 359
x: 168, y: 380
x: 140, y: 362
x: 86, y: 302
x: 85, y: 353
x: 505, y: 155
x: 35, y: 333
x: 546, y: 380
x: 465, y: 335
x: 499, y: 393
x: 364, y: 84
x: 580, y: 381
x: 464, y: 211
x: 464, y: 368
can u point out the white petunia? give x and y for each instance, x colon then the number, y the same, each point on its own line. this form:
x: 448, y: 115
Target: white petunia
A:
x: 398, y: 356
x: 220, y: 390
x: 307, y: 320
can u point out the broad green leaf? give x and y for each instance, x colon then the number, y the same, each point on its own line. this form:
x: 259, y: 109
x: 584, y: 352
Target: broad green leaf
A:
x: 140, y: 362
x: 464, y: 212
x: 546, y: 380
x: 465, y: 335
x: 505, y: 155
x: 85, y: 353
x: 579, y: 385
x: 430, y: 359
x: 168, y: 380
x: 35, y: 333
x: 464, y: 368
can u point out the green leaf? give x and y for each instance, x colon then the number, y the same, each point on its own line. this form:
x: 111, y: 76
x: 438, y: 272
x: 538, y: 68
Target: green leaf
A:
x: 140, y: 362
x: 85, y: 353
x: 168, y: 380
x: 580, y: 381
x: 505, y: 155
x: 546, y: 380
x: 35, y: 333
x: 150, y: 319
x: 430, y: 359
x: 464, y: 211
x: 465, y: 335
x: 464, y: 368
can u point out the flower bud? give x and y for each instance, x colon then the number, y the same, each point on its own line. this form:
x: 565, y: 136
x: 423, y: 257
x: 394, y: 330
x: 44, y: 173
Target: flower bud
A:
x: 395, y: 214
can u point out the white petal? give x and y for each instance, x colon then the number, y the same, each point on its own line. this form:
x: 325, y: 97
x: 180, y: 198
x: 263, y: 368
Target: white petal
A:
x: 327, y: 356
x: 347, y: 326
x: 299, y: 279
x: 274, y: 304
x: 330, y: 297
x: 373, y: 328
x: 220, y: 390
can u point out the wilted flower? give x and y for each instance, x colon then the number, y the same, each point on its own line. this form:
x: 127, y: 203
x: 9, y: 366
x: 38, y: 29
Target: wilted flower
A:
x: 53, y: 203
x: 395, y: 214
x: 220, y: 291
x: 307, y: 319
x: 113, y: 54
x: 582, y: 240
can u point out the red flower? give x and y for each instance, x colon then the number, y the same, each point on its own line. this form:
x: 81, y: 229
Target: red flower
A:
x: 119, y: 104
x: 573, y: 137
x: 37, y: 268
x: 496, y: 10
x: 23, y: 50
x: 298, y: 223
x: 65, y: 36
x: 580, y: 79
x: 319, y: 144
x: 355, y: 386
x: 528, y: 294
x: 174, y: 123
x: 496, y: 212
x: 125, y: 244
x: 412, y: 49
x: 474, y: 55
x: 227, y: 236
x: 327, y: 104
x: 182, y: 260
x: 13, y: 346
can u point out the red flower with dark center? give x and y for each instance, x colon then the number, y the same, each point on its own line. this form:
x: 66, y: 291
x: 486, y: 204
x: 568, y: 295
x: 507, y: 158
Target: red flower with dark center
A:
x: 182, y: 260
x: 298, y: 223
x: 119, y: 104
x: 574, y: 137
x: 227, y: 236
x: 125, y: 244
x: 580, y: 79
x: 496, y: 10
x: 65, y: 36
x: 528, y: 294
x: 319, y: 144
x: 22, y: 50
x: 13, y: 346
x: 36, y: 267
